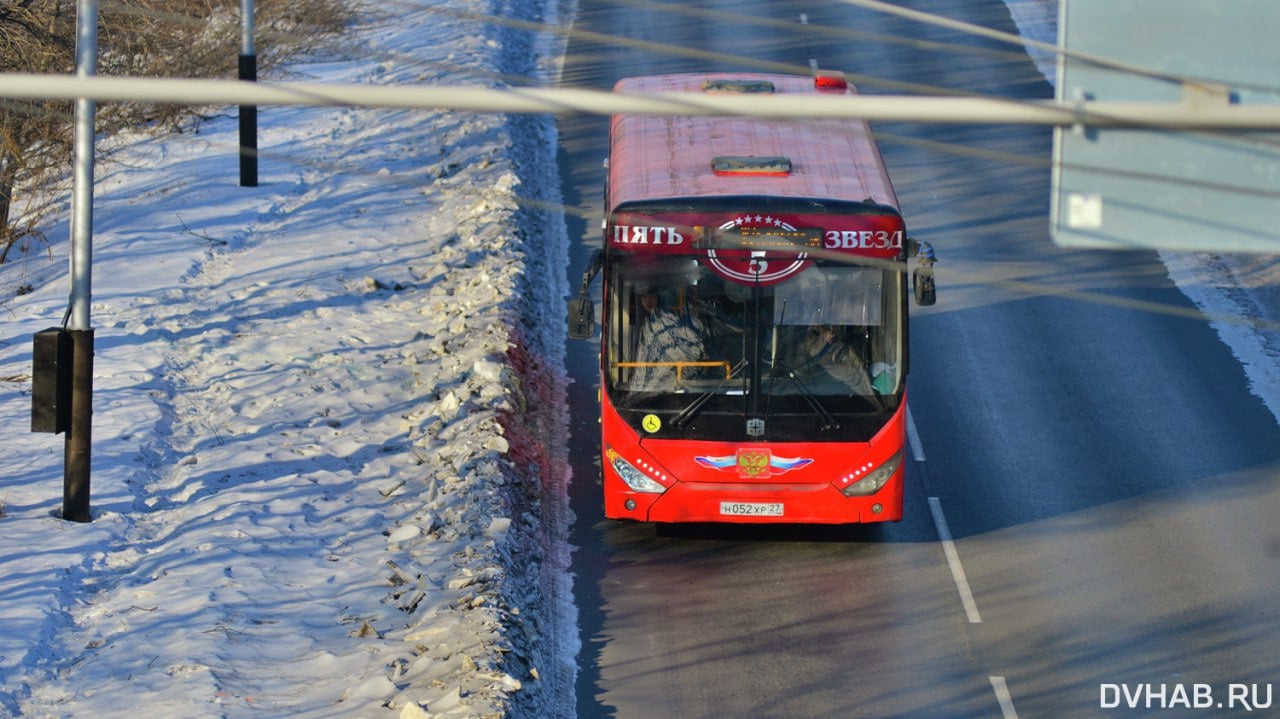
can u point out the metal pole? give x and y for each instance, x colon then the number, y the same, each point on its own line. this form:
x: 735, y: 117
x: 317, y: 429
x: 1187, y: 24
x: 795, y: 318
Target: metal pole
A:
x: 76, y: 461
x: 248, y: 113
x: 558, y: 100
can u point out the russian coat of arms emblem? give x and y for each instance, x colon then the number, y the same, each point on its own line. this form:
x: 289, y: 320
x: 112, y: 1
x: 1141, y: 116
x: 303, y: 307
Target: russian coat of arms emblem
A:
x: 753, y: 463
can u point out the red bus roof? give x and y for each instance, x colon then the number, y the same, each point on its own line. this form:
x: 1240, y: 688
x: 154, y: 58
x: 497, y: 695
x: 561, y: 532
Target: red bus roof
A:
x: 657, y: 157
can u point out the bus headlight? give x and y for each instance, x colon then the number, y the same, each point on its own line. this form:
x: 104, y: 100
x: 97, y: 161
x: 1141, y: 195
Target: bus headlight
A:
x: 874, y: 480
x: 635, y: 479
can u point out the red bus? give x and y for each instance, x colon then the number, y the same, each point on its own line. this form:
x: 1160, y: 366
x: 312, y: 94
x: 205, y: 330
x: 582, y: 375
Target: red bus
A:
x: 753, y: 346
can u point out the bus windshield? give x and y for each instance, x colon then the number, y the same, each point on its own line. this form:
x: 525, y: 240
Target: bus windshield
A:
x: 830, y: 335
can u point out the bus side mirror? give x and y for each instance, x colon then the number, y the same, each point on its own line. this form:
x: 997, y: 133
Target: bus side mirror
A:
x: 922, y: 279
x: 582, y: 318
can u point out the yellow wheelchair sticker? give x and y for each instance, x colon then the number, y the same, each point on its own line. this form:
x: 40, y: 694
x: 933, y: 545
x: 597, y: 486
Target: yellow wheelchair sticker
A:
x: 651, y: 423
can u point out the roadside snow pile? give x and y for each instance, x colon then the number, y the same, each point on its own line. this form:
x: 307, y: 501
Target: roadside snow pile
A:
x: 1037, y: 20
x: 325, y: 412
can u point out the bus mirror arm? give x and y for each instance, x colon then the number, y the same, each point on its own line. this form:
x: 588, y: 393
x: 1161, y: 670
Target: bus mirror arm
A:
x: 582, y: 312
x: 922, y: 278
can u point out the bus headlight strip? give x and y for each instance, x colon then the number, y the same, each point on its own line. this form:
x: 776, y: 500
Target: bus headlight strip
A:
x: 635, y: 479
x: 874, y: 480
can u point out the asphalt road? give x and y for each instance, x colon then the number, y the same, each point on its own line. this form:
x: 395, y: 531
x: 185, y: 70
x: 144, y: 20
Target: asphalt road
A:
x: 1090, y: 513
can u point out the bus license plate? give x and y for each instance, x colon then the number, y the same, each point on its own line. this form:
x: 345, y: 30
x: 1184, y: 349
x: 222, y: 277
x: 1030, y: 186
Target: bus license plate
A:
x: 751, y: 509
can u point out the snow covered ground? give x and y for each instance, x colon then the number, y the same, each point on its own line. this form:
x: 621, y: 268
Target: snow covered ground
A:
x: 328, y: 472
x: 325, y: 409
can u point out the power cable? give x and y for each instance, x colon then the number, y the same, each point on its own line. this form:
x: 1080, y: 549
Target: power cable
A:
x: 1033, y: 288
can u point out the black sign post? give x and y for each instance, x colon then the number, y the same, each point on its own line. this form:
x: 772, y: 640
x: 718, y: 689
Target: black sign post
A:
x: 248, y: 113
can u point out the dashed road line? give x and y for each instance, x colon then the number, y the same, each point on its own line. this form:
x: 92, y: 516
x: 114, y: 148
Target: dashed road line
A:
x: 813, y: 62
x: 998, y: 685
x: 1003, y: 696
x: 913, y: 438
x: 953, y: 561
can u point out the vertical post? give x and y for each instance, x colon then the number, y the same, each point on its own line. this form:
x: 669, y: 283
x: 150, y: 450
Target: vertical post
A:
x: 75, y: 480
x: 248, y: 113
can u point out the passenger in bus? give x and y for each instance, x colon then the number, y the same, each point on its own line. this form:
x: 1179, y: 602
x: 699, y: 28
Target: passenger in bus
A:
x: 826, y: 351
x: 667, y: 336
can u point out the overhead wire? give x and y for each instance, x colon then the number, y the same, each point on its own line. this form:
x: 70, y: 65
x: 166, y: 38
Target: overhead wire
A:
x: 834, y: 33
x: 1022, y: 287
x: 968, y: 28
x: 770, y: 66
x: 667, y: 49
x: 791, y: 68
x: 1053, y: 49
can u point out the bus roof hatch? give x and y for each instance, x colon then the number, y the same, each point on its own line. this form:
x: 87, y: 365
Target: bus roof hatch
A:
x: 724, y: 85
x: 747, y: 165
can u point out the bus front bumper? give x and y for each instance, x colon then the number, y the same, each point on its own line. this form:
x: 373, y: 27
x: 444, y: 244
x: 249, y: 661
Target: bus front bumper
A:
x: 818, y: 503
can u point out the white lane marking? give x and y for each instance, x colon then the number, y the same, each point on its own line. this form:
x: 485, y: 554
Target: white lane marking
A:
x: 1003, y: 696
x: 913, y: 437
x: 813, y: 63
x: 953, y: 560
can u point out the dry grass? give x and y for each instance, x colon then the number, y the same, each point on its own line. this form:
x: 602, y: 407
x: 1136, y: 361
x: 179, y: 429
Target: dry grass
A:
x: 137, y: 38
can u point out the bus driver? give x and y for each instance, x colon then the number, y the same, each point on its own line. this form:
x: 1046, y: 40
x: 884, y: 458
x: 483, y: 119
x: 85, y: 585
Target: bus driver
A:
x: 826, y: 351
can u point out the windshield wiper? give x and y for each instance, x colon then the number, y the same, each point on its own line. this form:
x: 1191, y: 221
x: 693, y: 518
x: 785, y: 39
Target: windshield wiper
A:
x: 687, y: 413
x: 809, y: 396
